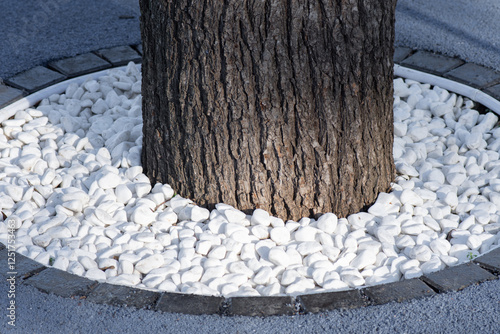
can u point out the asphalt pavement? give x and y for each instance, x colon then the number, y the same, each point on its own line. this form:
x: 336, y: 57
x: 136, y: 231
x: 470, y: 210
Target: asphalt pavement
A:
x: 35, y: 32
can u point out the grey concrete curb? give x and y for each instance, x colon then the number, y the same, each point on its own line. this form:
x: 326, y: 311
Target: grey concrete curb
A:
x: 61, y: 283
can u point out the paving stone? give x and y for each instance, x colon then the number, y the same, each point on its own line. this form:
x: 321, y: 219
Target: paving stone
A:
x: 457, y: 278
x: 120, y: 55
x: 9, y: 95
x: 431, y: 62
x: 474, y: 75
x: 319, y: 302
x: 61, y: 283
x: 22, y: 266
x: 490, y: 260
x: 400, y: 53
x: 494, y: 91
x: 398, y: 291
x: 189, y: 304
x: 79, y: 65
x: 261, y: 306
x: 138, y: 47
x: 35, y: 79
x: 120, y: 295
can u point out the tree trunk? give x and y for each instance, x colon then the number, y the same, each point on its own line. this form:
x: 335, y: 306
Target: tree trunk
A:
x: 280, y: 105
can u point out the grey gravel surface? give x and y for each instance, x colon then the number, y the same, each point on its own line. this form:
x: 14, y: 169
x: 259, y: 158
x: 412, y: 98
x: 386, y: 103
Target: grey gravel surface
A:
x: 35, y: 32
x: 468, y: 29
x: 473, y: 310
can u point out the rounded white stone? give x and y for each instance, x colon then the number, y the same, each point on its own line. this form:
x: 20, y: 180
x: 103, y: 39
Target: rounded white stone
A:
x: 290, y: 276
x: 61, y: 263
x: 303, y: 285
x: 327, y: 223
x: 280, y: 235
x: 309, y: 247
x: 363, y: 259
x: 434, y: 175
x: 248, y: 252
x: 242, y: 236
x: 142, y: 188
x: 76, y: 268
x: 234, y: 216
x: 410, y: 197
x: 192, y: 275
x: 217, y: 252
x: 263, y: 276
x: 42, y: 240
x: 260, y: 231
x: 440, y: 246
x: 386, y: 233
x: 123, y: 193
x: 96, y: 275
x: 405, y: 241
x: 143, y: 215
x: 149, y: 263
x: 335, y: 285
x: 203, y: 247
x: 213, y: 272
x: 109, y: 181
x: 413, y: 273
x: 305, y: 233
x: 412, y: 228
x: 241, y: 268
x: 74, y: 205
x: 352, y: 277
x: 434, y: 264
x: 260, y: 217
x: 59, y: 232
x: 125, y: 279
x: 474, y: 242
x: 279, y: 257
x: 421, y: 253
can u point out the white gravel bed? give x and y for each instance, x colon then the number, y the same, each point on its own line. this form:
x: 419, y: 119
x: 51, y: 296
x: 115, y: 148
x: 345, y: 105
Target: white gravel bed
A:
x: 72, y: 186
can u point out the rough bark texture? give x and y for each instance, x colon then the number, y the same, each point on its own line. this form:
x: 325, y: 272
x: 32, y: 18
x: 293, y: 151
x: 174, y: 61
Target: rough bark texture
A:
x: 284, y: 105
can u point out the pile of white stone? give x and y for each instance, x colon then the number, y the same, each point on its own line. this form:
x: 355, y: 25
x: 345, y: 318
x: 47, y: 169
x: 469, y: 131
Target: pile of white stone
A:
x: 71, y: 183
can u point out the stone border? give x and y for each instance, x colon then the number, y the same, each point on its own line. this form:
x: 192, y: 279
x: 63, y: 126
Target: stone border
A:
x: 61, y: 283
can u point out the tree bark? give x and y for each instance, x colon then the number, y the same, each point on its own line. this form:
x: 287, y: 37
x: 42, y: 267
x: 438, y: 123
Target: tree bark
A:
x: 284, y: 105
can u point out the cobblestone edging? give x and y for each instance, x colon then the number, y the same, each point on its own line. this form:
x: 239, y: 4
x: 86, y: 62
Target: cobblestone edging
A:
x: 64, y: 284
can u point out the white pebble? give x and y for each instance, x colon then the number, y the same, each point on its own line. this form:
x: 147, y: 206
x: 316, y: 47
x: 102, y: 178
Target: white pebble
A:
x: 327, y: 223
x: 364, y: 259
x: 279, y: 257
x: 306, y: 233
x: 260, y: 217
x: 96, y: 275
x: 280, y: 235
x: 149, y: 263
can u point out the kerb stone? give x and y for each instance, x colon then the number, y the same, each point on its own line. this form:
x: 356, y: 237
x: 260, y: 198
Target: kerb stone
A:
x: 261, y: 306
x: 120, y: 295
x: 490, y: 260
x: 35, y: 79
x: 457, y: 278
x: 400, y: 53
x: 79, y: 65
x: 319, y: 302
x: 474, y: 75
x: 120, y: 55
x: 61, y: 283
x: 9, y: 95
x: 398, y: 291
x: 431, y: 63
x: 189, y: 304
x: 22, y: 266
